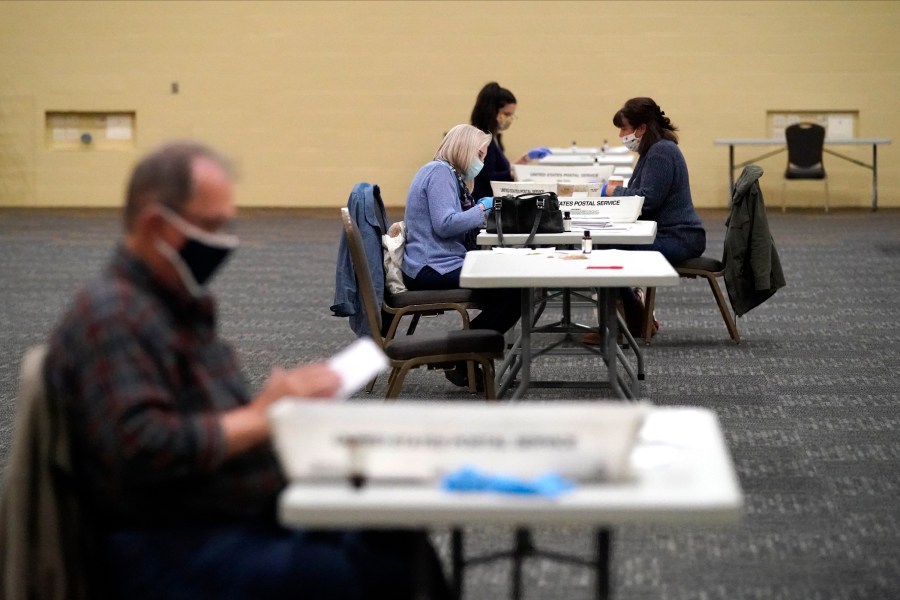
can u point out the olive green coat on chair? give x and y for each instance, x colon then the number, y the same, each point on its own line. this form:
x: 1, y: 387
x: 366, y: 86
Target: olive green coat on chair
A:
x: 752, y: 268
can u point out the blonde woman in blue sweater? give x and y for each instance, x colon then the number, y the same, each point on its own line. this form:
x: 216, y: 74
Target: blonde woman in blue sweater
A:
x: 442, y: 221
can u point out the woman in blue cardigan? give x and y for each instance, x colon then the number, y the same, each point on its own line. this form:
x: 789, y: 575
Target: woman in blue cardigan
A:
x: 661, y: 177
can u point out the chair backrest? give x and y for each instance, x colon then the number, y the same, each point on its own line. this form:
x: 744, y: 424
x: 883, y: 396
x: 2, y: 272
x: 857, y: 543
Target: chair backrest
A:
x: 43, y: 527
x: 365, y: 286
x: 367, y: 210
x: 805, y: 143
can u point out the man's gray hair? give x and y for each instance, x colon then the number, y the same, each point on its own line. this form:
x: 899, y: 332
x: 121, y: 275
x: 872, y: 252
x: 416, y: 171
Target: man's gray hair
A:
x: 165, y: 176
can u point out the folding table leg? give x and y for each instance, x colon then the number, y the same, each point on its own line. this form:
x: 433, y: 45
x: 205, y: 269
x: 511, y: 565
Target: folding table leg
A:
x: 524, y: 546
x: 525, y: 356
x: 602, y: 563
x: 423, y: 571
x: 457, y: 564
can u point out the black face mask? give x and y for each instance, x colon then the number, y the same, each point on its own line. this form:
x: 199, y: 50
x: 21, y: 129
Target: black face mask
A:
x: 200, y: 256
x: 203, y: 259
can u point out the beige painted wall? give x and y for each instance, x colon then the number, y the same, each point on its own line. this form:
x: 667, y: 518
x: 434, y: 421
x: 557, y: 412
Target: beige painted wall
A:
x: 312, y: 97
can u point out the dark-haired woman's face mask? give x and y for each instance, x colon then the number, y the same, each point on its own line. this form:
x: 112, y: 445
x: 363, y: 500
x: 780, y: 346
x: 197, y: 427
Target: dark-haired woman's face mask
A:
x: 631, y: 142
x: 506, y: 116
x: 631, y: 137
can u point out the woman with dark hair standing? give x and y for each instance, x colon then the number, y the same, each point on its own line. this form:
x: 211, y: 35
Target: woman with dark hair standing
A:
x: 494, y: 112
x: 661, y: 177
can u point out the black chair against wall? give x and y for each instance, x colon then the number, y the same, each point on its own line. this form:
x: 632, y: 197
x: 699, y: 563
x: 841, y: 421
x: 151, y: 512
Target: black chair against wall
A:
x: 805, y: 146
x: 431, y: 348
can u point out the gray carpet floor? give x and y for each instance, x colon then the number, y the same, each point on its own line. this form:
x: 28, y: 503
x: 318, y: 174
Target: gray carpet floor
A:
x: 809, y: 401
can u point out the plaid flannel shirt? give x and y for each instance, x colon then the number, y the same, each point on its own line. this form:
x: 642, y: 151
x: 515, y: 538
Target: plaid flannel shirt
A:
x: 143, y: 376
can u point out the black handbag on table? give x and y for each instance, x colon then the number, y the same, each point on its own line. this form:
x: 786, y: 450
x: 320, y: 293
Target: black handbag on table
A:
x: 525, y: 213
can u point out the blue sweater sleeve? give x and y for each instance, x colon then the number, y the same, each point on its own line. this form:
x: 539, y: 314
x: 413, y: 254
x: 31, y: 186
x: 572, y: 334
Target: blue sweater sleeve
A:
x: 661, y: 177
x: 654, y: 180
x: 447, y: 217
x: 435, y: 222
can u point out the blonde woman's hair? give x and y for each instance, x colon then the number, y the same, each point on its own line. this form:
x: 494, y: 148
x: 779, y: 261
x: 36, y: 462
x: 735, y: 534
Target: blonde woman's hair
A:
x: 460, y: 146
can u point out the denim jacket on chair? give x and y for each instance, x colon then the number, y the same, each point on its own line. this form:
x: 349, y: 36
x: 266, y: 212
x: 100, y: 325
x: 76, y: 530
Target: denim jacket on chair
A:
x: 367, y: 209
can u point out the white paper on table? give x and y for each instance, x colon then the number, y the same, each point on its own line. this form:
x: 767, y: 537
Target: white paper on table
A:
x: 590, y: 220
x: 614, y: 227
x: 543, y: 250
x: 357, y: 364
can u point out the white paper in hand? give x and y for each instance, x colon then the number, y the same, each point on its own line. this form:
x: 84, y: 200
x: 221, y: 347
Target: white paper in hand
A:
x: 357, y: 364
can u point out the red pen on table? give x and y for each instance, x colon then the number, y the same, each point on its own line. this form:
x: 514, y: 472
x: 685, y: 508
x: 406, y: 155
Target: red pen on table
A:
x: 604, y: 266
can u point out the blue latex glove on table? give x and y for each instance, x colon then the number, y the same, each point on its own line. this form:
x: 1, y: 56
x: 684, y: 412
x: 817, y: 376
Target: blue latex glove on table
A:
x: 487, y: 202
x: 540, y: 152
x: 468, y: 479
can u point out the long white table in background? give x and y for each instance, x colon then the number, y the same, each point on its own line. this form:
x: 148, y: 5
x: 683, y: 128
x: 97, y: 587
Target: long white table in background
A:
x: 618, y: 160
x: 587, y: 159
x: 874, y: 142
x: 591, y: 150
x: 682, y: 474
x: 603, y: 271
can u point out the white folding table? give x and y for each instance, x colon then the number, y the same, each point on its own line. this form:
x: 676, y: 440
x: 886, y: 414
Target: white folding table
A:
x: 682, y: 474
x: 603, y: 271
x: 639, y: 232
x: 874, y: 142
